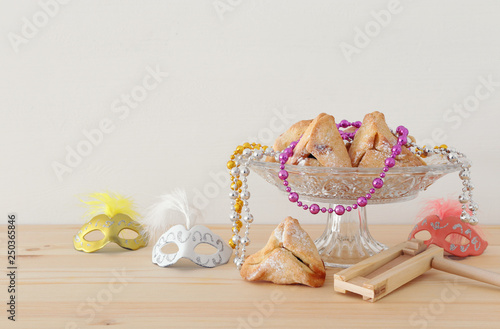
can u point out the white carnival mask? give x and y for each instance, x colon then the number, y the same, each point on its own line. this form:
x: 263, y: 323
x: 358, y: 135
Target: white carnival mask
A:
x: 187, y: 241
x: 186, y: 238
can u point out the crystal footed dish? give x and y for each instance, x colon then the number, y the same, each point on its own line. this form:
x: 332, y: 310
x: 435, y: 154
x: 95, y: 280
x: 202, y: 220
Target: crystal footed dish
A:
x: 346, y: 239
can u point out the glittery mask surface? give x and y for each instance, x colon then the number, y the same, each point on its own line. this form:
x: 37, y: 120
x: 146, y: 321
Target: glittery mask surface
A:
x: 441, y: 229
x: 187, y: 241
x: 110, y: 228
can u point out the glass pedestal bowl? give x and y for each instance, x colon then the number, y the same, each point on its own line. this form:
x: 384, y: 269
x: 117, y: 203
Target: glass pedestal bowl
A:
x: 346, y: 239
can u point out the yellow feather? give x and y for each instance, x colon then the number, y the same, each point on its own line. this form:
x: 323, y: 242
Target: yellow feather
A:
x: 110, y: 204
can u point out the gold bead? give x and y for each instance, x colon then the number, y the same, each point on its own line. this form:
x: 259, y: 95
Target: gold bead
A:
x: 444, y: 146
x: 230, y: 165
x: 239, y: 149
x: 238, y: 184
x: 240, y: 224
x: 237, y: 208
x: 232, y: 157
x: 231, y: 243
x: 247, y: 145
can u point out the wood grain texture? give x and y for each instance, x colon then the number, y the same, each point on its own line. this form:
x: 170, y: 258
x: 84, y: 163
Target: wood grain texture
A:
x: 59, y: 287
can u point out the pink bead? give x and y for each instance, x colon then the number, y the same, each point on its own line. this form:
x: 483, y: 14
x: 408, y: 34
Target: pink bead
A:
x: 289, y: 189
x: 402, y: 140
x: 357, y: 124
x: 314, y: 209
x: 282, y: 166
x: 288, y: 151
x: 382, y: 175
x: 323, y: 210
x: 378, y: 182
x: 299, y: 203
x: 396, y: 149
x: 339, y: 210
x: 368, y: 196
x: 293, y: 197
x: 348, y: 209
x: 293, y: 145
x: 362, y: 201
x: 372, y: 190
x: 354, y: 206
x: 345, y: 123
x: 385, y: 169
x: 283, y: 157
x: 401, y: 130
x: 390, y: 162
x: 305, y: 207
x: 330, y: 210
x: 283, y: 174
x: 285, y: 183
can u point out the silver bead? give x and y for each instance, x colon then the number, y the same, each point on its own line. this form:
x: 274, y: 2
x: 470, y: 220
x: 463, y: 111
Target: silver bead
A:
x: 277, y: 157
x: 465, y: 217
x: 236, y: 239
x: 235, y: 230
x: 248, y: 218
x: 473, y: 206
x: 268, y: 152
x: 245, y: 195
x: 465, y: 165
x: 257, y: 154
x: 469, y: 185
x: 453, y: 158
x: 464, y: 175
x: 236, y: 260
x: 245, y: 241
x: 239, y: 263
x: 244, y: 171
x: 234, y: 216
x: 473, y: 220
x: 233, y: 195
x: 235, y: 171
x: 246, y: 153
x: 463, y: 198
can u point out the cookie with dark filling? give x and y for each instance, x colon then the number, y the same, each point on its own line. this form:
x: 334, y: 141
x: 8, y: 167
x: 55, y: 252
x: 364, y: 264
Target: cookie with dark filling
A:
x: 289, y: 257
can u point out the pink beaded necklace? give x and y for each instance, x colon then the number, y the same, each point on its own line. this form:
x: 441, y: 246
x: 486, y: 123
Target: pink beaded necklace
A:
x: 362, y: 201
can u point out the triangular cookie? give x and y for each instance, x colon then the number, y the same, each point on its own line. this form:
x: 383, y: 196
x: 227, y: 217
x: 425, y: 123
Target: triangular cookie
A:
x: 289, y: 256
x: 323, y: 141
x: 373, y: 144
x: 292, y: 134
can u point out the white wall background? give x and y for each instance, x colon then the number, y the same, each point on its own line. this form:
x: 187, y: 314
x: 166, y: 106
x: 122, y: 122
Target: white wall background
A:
x: 230, y: 72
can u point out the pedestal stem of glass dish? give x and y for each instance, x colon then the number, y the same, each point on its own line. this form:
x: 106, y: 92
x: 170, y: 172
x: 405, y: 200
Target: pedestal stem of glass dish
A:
x: 346, y: 239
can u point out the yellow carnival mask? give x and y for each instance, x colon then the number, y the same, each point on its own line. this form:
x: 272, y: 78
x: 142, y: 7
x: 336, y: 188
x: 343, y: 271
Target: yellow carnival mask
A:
x: 111, y: 214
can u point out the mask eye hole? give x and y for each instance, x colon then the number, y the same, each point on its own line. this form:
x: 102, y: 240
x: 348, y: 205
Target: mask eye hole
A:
x: 457, y: 239
x: 423, y: 235
x: 94, y: 235
x: 128, y: 234
x: 205, y: 249
x: 170, y: 248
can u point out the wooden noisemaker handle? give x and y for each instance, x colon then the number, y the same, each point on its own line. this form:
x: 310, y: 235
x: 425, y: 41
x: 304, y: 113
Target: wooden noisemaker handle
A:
x: 467, y: 271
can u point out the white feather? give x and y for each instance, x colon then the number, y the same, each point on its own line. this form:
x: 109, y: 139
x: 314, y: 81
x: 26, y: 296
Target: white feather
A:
x: 172, y: 209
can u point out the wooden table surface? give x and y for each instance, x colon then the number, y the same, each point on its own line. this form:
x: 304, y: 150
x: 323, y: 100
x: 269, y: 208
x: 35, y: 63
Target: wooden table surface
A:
x: 59, y: 287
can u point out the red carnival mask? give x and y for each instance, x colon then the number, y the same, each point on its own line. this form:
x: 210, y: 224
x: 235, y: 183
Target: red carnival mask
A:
x: 440, y: 229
